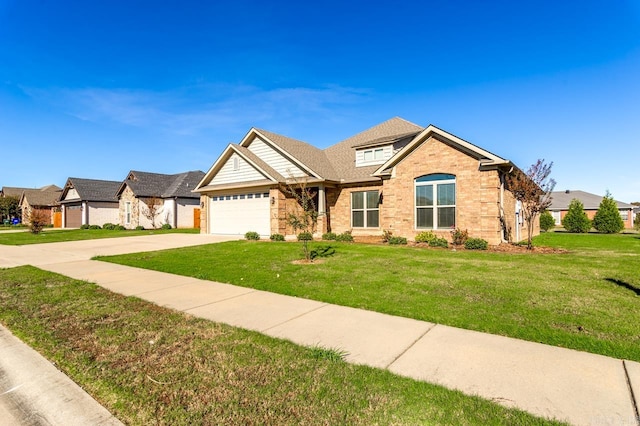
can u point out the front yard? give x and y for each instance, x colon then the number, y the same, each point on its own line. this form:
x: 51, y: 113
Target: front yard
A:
x: 50, y: 235
x: 587, y: 299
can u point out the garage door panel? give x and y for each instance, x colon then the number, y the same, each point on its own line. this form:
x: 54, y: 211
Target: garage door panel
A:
x: 73, y: 216
x: 239, y: 214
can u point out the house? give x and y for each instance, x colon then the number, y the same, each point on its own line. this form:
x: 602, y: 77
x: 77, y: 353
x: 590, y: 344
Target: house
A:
x: 44, y: 199
x: 89, y: 202
x: 395, y: 176
x: 153, y: 199
x: 560, y: 201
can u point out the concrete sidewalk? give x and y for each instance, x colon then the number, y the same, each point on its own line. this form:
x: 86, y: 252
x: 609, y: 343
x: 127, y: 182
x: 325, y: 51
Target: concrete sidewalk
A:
x: 577, y: 387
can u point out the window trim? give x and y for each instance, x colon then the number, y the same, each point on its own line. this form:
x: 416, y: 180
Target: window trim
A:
x: 434, y: 180
x: 365, y: 209
x: 127, y: 212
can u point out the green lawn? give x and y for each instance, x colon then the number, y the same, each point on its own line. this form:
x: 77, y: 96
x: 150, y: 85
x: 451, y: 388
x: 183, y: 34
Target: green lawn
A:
x: 152, y: 365
x: 587, y: 299
x: 49, y: 235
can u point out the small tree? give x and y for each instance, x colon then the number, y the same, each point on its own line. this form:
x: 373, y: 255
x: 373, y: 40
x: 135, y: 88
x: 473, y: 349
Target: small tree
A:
x: 152, y: 210
x: 547, y: 221
x: 38, y: 219
x: 304, y: 218
x: 607, y: 219
x: 636, y: 222
x: 533, y: 190
x: 9, y: 207
x: 576, y: 219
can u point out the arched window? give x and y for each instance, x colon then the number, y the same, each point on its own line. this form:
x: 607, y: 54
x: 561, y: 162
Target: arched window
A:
x: 435, y: 201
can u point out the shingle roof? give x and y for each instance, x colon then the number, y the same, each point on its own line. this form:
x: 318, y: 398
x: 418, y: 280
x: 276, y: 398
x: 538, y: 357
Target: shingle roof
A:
x: 342, y: 155
x: 38, y: 197
x: 93, y: 189
x: 10, y: 191
x: 145, y: 184
x: 560, y: 200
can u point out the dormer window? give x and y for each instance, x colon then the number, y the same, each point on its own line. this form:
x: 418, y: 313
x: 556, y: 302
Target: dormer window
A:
x: 375, y: 155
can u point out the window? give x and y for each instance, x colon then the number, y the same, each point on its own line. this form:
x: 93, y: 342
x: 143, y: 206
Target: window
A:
x: 436, y: 201
x: 624, y: 214
x: 236, y: 163
x: 365, y: 210
x: 556, y: 217
x: 127, y: 212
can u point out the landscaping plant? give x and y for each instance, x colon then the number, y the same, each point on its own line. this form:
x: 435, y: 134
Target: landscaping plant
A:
x: 607, y: 219
x: 547, y: 221
x: 576, y: 219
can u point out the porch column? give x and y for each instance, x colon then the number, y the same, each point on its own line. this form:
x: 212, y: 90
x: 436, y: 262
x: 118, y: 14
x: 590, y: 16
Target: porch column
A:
x: 322, y: 210
x: 85, y: 213
x: 64, y: 216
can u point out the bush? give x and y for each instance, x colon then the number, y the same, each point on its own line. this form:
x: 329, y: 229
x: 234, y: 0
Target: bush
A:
x: 636, y: 222
x: 397, y: 240
x: 425, y: 237
x: 109, y: 226
x: 439, y: 242
x: 476, y: 244
x: 459, y: 237
x: 276, y: 237
x: 305, y: 236
x: 607, y: 219
x: 85, y: 226
x: 165, y: 226
x: 386, y: 234
x: 329, y: 236
x: 38, y: 219
x: 120, y: 228
x: 345, y: 237
x: 547, y: 221
x: 95, y: 227
x: 139, y: 228
x: 252, y: 235
x: 576, y: 219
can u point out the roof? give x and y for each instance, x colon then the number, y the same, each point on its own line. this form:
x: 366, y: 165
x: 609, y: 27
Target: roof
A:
x: 145, y: 184
x: 91, y: 189
x: 39, y: 197
x: 560, y: 200
x: 10, y: 191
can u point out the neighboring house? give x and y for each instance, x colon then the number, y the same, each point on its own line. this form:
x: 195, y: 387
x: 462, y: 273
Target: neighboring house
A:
x: 395, y: 176
x: 89, y: 202
x: 15, y: 193
x: 560, y: 201
x: 44, y: 199
x: 170, y: 195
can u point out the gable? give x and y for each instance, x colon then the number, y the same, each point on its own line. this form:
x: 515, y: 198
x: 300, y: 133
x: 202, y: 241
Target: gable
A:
x: 235, y: 170
x: 71, y: 194
x: 275, y: 159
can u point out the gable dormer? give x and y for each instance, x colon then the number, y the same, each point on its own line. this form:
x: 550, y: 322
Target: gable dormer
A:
x: 373, y: 155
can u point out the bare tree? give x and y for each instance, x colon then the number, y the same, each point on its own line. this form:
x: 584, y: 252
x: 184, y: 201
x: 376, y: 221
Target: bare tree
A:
x: 533, y: 190
x: 152, y: 210
x: 305, y: 217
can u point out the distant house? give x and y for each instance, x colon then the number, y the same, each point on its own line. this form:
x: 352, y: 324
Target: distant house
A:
x: 44, y: 199
x: 396, y: 176
x: 170, y: 195
x: 560, y: 201
x: 89, y: 202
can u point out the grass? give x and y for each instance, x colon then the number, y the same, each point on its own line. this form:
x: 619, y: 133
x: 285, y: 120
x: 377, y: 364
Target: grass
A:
x: 151, y: 365
x: 50, y: 235
x: 587, y: 299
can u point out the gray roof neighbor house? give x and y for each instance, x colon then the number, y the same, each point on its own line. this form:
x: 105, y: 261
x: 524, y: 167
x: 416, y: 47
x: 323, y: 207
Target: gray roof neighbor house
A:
x: 145, y: 184
x: 90, y: 190
x: 560, y: 200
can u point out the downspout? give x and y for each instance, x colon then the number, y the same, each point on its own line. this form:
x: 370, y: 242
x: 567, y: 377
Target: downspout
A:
x: 175, y: 213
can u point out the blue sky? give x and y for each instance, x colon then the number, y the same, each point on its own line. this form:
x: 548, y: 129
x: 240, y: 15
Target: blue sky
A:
x: 94, y: 89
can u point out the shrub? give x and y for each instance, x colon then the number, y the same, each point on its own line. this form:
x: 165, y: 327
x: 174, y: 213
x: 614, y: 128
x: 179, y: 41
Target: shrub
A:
x: 252, y: 235
x: 607, y: 219
x: 95, y: 227
x: 636, y: 222
x: 439, y: 242
x: 165, y: 226
x: 386, y: 234
x: 425, y: 237
x: 345, y: 237
x: 139, y: 228
x: 305, y: 236
x: 109, y: 226
x: 459, y: 237
x: 38, y: 219
x: 85, y: 226
x: 476, y: 244
x: 120, y: 228
x: 276, y: 237
x: 329, y: 236
x: 397, y: 240
x: 547, y: 221
x: 576, y: 219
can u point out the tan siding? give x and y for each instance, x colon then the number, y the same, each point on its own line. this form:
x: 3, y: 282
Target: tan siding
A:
x: 103, y: 212
x: 228, y: 174
x: 72, y: 194
x: 276, y: 160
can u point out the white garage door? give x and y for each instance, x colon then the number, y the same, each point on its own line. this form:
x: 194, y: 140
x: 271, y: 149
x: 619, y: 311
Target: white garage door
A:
x: 238, y: 213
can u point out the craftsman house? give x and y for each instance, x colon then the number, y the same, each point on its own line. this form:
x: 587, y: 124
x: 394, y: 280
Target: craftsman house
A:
x: 89, y: 202
x: 395, y: 176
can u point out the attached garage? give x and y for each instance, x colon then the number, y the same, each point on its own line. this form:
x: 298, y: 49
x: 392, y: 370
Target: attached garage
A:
x: 73, y: 216
x: 238, y: 213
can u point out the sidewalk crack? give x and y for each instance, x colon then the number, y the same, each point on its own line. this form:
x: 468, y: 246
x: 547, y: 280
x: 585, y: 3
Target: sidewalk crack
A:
x: 410, y: 346
x: 294, y: 318
x: 634, y: 401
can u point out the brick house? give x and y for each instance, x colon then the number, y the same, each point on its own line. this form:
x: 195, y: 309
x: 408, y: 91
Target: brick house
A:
x: 89, y: 202
x: 44, y: 199
x: 172, y: 194
x: 395, y: 176
x: 560, y: 201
